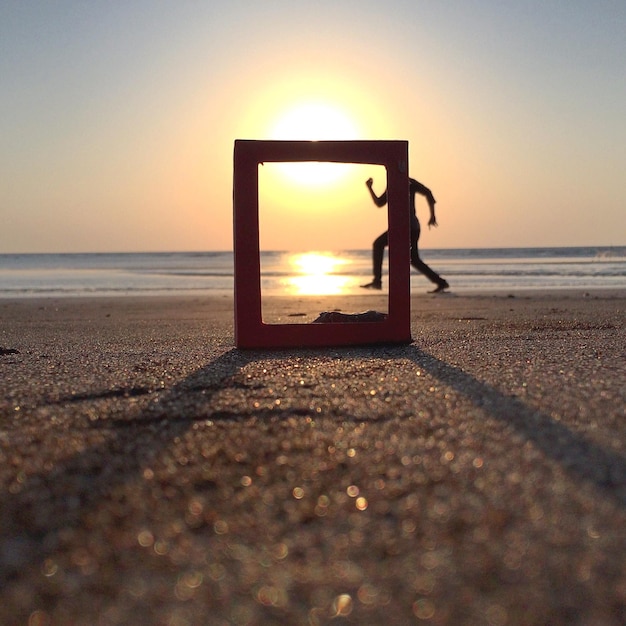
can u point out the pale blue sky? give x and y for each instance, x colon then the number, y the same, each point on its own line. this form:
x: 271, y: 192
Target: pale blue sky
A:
x: 117, y: 119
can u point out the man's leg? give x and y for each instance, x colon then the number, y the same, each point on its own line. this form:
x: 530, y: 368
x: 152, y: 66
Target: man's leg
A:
x: 420, y: 266
x: 378, y: 251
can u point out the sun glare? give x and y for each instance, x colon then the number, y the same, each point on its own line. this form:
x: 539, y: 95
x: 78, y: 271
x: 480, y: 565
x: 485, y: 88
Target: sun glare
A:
x: 314, y: 121
x: 315, y: 274
x: 313, y: 263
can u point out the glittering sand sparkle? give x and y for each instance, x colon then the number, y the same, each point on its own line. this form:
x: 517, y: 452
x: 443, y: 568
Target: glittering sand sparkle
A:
x: 152, y: 474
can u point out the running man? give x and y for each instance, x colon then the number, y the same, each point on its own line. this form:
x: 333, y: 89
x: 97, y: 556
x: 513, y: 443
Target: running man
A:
x: 383, y: 241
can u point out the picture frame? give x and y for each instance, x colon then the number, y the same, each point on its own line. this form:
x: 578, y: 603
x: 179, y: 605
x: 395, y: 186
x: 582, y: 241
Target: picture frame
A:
x: 250, y: 330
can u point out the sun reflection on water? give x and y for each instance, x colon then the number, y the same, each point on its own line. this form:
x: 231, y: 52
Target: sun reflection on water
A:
x: 316, y: 274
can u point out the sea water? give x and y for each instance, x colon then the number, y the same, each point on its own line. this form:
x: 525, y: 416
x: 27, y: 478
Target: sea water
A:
x: 302, y: 273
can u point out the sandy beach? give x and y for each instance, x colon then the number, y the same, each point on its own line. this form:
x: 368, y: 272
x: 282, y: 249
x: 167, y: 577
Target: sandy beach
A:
x: 151, y: 473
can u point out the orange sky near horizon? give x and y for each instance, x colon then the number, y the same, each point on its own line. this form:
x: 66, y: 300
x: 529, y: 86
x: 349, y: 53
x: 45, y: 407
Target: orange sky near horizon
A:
x: 118, y: 122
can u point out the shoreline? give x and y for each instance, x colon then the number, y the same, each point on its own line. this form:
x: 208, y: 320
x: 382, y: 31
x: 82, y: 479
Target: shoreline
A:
x: 565, y: 292
x: 415, y: 293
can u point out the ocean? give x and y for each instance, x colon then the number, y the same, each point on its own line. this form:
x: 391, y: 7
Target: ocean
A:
x: 313, y: 273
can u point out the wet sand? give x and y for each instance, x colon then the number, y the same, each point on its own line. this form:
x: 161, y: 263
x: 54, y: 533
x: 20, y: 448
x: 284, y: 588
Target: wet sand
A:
x: 150, y: 473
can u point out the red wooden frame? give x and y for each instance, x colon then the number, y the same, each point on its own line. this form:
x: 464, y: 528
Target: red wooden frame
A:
x: 250, y: 330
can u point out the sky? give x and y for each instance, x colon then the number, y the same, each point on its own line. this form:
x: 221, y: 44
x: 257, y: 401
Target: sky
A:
x: 118, y: 119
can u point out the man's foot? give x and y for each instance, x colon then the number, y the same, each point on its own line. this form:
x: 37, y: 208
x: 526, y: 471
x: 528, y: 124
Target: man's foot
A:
x: 442, y: 286
x: 375, y: 284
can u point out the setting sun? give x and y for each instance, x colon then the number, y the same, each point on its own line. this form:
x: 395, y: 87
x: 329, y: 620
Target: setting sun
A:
x: 308, y: 205
x: 314, y: 121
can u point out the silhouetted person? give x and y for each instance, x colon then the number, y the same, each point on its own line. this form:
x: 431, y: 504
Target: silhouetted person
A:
x: 383, y: 241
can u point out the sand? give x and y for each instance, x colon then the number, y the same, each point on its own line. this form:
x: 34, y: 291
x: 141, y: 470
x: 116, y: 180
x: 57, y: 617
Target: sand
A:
x: 151, y: 473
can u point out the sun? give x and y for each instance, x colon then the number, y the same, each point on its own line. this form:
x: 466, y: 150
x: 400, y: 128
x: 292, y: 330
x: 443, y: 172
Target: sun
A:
x: 314, y: 121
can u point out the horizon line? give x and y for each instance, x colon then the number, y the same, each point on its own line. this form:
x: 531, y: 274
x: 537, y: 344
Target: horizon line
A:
x: 230, y: 250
